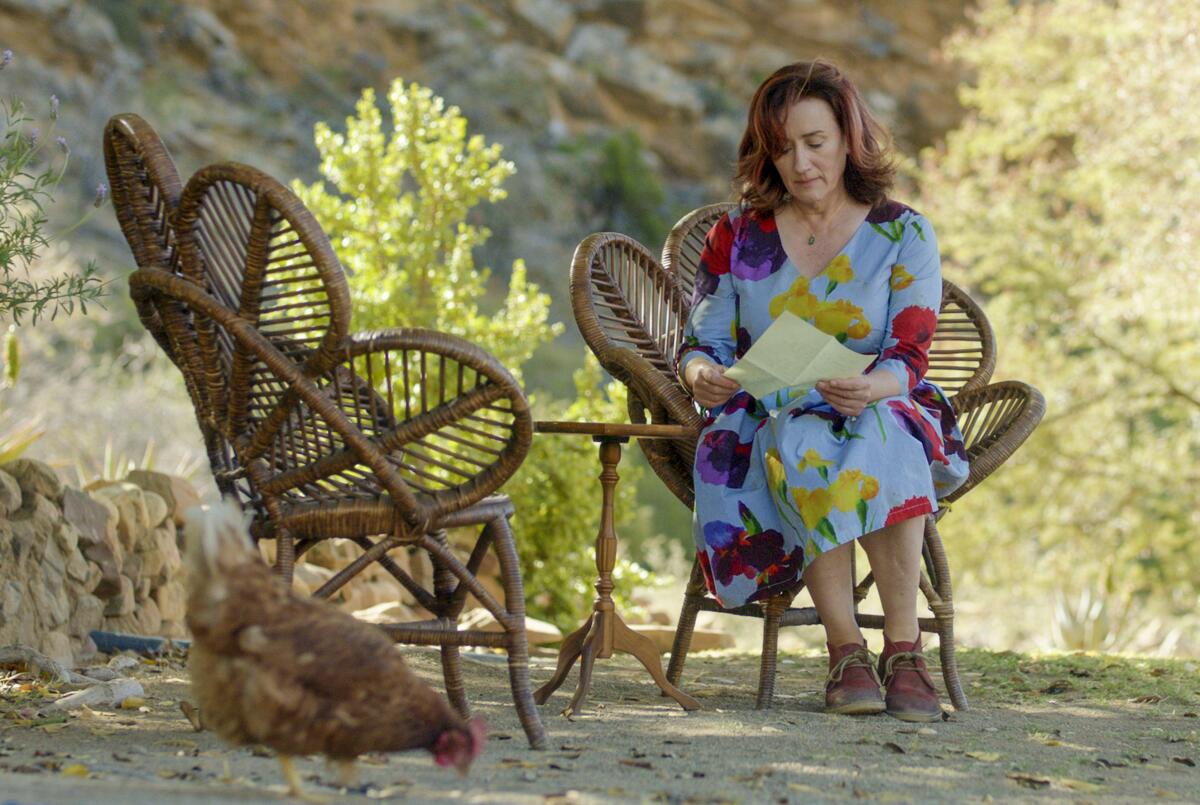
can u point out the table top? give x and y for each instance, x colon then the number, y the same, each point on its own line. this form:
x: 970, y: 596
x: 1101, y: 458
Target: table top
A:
x: 617, y: 429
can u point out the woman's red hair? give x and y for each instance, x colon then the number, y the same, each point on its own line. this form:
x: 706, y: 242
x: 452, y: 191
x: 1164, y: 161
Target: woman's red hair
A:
x: 869, y: 168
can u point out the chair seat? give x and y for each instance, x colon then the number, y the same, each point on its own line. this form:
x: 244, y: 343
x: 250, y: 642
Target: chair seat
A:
x: 347, y: 518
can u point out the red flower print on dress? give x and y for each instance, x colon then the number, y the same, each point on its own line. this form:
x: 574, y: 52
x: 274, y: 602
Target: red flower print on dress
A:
x: 909, y: 416
x: 913, y: 507
x: 913, y: 330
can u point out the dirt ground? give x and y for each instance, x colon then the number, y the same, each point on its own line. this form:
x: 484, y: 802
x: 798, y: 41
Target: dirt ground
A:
x: 1080, y: 728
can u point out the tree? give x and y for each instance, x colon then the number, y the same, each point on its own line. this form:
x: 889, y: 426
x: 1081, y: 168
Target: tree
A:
x: 1067, y: 201
x: 396, y: 206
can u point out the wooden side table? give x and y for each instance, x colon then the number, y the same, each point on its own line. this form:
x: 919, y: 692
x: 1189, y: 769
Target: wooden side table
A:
x: 604, y: 632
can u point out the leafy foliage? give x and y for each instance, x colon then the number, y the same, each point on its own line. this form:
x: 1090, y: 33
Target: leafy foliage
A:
x: 27, y: 179
x: 397, y: 207
x: 1066, y: 200
x: 397, y: 210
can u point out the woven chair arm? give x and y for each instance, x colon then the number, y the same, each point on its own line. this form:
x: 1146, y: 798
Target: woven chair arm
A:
x: 416, y: 513
x: 995, y: 421
x: 652, y: 387
x: 447, y: 399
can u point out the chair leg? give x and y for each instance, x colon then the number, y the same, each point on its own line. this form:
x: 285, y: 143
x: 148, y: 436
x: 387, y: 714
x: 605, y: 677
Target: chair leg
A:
x: 773, y: 611
x: 943, y: 612
x: 443, y: 586
x: 518, y: 643
x: 692, y: 597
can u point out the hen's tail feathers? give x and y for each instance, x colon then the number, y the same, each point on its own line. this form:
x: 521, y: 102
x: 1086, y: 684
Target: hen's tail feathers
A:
x: 215, y: 531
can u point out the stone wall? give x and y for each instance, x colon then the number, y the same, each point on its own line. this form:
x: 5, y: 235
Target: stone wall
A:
x: 72, y: 561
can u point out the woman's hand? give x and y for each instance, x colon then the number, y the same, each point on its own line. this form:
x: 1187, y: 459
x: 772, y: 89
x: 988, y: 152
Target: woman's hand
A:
x: 709, y: 385
x: 848, y: 395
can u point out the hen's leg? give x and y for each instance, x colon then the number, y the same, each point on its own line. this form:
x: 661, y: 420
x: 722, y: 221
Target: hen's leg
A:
x: 347, y: 773
x: 292, y: 778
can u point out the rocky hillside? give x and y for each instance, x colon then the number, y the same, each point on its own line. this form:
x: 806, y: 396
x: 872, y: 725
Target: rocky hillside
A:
x: 564, y: 86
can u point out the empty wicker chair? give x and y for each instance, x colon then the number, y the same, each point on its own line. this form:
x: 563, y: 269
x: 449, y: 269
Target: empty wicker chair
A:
x: 631, y: 310
x: 386, y: 439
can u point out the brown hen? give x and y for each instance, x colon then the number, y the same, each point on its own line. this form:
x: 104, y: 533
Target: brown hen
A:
x: 294, y: 674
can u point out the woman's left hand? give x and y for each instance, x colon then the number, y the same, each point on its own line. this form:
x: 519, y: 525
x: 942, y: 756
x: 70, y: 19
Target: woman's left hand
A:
x: 848, y: 395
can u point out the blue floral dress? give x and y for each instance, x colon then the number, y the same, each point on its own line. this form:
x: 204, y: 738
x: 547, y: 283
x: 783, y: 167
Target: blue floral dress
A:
x: 782, y: 479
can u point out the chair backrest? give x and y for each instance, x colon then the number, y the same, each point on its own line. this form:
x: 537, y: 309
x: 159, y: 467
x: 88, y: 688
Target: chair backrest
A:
x: 961, y: 356
x: 253, y: 246
x: 145, y: 190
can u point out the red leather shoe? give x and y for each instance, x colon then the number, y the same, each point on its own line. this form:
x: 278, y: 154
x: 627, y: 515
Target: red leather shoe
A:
x: 852, y: 687
x: 911, y: 695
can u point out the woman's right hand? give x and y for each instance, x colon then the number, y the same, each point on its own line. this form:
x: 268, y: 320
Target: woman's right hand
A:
x: 708, y: 383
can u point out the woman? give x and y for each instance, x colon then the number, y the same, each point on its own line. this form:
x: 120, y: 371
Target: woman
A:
x: 785, y: 484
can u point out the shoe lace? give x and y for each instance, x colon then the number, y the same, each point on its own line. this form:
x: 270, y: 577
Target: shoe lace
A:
x: 861, y: 657
x: 908, y: 661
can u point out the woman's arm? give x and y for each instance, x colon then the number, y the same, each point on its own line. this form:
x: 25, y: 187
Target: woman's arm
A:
x: 708, y: 339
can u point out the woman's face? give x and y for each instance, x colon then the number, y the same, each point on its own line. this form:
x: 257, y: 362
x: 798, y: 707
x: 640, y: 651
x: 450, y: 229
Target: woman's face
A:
x: 814, y: 154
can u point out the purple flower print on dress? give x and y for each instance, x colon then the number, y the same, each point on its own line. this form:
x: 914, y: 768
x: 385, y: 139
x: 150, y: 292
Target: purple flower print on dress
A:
x: 743, y: 342
x: 758, y: 251
x: 908, y: 416
x: 929, y: 398
x: 722, y: 459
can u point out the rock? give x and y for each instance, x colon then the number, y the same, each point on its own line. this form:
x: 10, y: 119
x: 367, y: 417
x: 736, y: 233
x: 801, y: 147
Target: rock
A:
x: 67, y: 536
x: 51, y: 605
x: 133, y: 521
x: 155, y: 549
x: 88, y: 615
x: 552, y: 18
x: 637, y: 77
x: 121, y: 624
x: 77, y: 568
x: 91, y: 518
x: 94, y: 576
x: 156, y: 508
x: 172, y: 565
x: 57, y: 646
x: 106, y: 693
x: 11, y: 598
x: 306, y: 578
x: 172, y: 601
x: 10, y: 494
x: 148, y: 617
x: 702, y: 639
x: 34, y: 477
x: 387, y: 612
x: 538, y: 632
x: 132, y: 566
x: 123, y: 601
x: 54, y: 564
x: 142, y: 588
x: 173, y: 629
x: 176, y: 492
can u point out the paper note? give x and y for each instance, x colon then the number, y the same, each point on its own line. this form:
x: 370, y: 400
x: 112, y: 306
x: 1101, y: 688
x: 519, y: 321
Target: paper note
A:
x: 794, y: 353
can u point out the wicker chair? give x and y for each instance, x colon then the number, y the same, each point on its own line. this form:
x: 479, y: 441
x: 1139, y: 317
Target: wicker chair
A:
x: 631, y: 310
x: 386, y: 439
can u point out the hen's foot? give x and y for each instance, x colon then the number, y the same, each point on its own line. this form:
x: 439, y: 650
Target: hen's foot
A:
x: 295, y: 789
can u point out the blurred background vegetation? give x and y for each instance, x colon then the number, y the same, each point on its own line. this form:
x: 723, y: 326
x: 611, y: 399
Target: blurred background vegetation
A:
x: 1053, y: 143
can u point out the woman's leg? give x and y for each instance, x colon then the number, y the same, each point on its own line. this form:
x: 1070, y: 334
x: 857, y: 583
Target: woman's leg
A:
x: 895, y: 556
x: 832, y: 590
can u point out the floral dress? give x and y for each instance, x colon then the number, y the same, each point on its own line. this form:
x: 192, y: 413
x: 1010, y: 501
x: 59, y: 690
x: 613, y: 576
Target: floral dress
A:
x: 779, y: 480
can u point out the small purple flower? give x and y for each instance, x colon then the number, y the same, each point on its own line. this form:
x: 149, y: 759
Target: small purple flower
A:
x: 34, y: 133
x: 5, y: 59
x: 54, y: 107
x: 62, y: 143
x: 101, y: 194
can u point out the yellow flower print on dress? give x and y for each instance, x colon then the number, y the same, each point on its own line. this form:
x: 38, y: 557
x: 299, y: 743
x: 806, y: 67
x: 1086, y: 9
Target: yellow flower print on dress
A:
x: 814, y: 505
x: 775, y: 471
x: 795, y: 299
x: 814, y: 460
x: 851, y: 487
x: 901, y: 279
x: 842, y: 319
x: 837, y: 271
